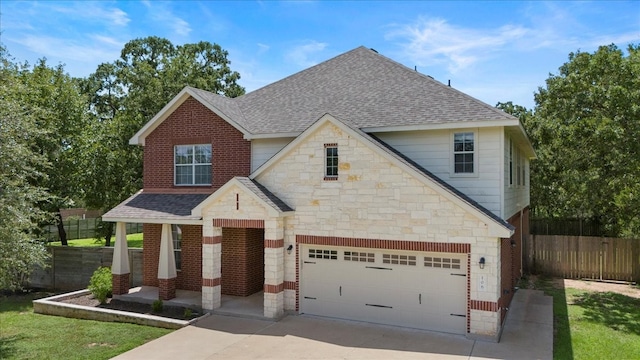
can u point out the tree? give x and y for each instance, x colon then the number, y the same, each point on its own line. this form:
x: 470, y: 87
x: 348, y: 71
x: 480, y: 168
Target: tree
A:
x: 585, y: 130
x: 64, y: 121
x: 127, y: 93
x: 20, y: 171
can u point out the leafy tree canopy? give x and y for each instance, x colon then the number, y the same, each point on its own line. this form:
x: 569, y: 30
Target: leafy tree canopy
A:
x: 22, y: 168
x: 585, y: 129
x: 127, y: 93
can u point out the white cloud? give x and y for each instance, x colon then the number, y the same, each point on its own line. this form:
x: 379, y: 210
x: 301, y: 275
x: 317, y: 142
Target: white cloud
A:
x: 300, y: 55
x: 103, y: 49
x: 160, y: 12
x: 262, y: 48
x: 434, y: 41
x: 94, y: 11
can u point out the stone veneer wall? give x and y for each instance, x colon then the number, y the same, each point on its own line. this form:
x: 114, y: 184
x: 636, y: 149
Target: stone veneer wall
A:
x: 375, y: 199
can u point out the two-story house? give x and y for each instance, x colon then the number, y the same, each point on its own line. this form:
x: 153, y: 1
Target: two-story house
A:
x: 357, y: 189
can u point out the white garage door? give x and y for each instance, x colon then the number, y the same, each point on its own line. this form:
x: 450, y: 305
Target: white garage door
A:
x: 413, y: 289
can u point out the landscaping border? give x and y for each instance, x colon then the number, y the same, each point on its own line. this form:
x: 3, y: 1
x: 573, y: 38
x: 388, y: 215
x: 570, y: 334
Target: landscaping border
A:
x: 52, y: 306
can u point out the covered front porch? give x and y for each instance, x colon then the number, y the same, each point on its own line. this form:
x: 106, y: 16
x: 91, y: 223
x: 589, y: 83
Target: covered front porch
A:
x: 232, y: 244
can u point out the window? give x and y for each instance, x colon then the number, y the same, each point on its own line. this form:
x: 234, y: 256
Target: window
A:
x: 518, y: 164
x: 463, y: 153
x: 176, y: 235
x: 399, y: 259
x: 359, y: 256
x: 323, y: 254
x: 440, y: 262
x: 331, y: 161
x: 192, y: 164
x: 510, y: 162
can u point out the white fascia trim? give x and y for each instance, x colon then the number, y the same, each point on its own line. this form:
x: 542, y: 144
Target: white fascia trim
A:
x: 272, y: 136
x: 219, y: 112
x: 443, y: 125
x: 154, y: 220
x: 300, y: 138
x: 494, y: 228
x: 271, y: 211
x: 140, y: 136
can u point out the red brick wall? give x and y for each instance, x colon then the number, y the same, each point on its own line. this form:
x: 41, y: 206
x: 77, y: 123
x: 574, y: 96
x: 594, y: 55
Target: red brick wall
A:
x: 150, y: 253
x: 242, y: 261
x: 190, y: 274
x: 511, y: 258
x: 193, y: 123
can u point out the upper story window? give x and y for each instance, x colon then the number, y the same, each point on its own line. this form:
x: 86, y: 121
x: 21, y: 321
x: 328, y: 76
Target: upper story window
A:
x: 331, y: 162
x: 464, y: 153
x: 192, y: 164
x: 510, y: 162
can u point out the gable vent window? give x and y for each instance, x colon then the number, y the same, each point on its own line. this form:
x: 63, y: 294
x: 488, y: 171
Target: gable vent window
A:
x: 192, y: 164
x: 331, y: 162
x: 463, y: 153
x: 440, y: 262
x: 359, y: 256
x: 323, y: 254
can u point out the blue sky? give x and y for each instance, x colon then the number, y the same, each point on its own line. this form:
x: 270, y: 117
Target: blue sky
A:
x: 494, y: 51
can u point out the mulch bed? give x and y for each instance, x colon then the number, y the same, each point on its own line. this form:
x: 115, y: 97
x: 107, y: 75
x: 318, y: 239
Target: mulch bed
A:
x: 168, y: 311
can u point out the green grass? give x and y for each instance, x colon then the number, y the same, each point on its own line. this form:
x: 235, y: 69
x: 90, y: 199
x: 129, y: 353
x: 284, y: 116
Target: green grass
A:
x: 593, y: 325
x: 133, y: 241
x: 26, y: 335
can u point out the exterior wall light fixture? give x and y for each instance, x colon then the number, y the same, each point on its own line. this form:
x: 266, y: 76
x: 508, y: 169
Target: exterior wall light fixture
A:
x: 289, y: 249
x: 481, y: 262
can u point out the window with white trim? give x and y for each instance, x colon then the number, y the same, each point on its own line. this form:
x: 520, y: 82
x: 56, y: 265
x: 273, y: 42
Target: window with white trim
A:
x: 192, y: 164
x: 464, y: 153
x: 176, y: 237
x: 331, y: 161
x: 510, y: 162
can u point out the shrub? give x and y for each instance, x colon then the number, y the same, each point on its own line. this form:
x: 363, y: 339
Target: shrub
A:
x: 188, y: 313
x: 157, y: 306
x: 100, y: 284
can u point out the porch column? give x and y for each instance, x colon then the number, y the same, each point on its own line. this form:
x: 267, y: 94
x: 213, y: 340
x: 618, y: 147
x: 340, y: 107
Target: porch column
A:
x: 120, y: 264
x: 274, y: 268
x: 211, y: 267
x: 167, y: 265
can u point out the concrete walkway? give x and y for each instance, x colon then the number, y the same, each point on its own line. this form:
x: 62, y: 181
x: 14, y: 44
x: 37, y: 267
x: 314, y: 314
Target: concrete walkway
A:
x: 528, y: 334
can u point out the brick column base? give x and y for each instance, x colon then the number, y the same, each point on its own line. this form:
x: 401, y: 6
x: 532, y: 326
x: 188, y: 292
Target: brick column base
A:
x: 120, y: 284
x: 166, y: 289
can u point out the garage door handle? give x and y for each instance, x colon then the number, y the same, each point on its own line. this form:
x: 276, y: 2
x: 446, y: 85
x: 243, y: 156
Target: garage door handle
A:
x: 460, y: 315
x: 420, y: 299
x: 309, y: 262
x: 340, y: 290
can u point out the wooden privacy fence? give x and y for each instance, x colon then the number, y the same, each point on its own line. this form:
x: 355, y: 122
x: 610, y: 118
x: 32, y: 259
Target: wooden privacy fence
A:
x: 580, y: 257
x: 70, y: 268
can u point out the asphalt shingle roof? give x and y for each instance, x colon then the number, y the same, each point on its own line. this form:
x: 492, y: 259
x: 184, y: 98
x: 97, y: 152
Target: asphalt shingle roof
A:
x: 157, y: 206
x: 264, y: 194
x: 361, y: 85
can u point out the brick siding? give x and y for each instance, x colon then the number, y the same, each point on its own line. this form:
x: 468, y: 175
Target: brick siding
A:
x: 190, y: 274
x: 193, y: 123
x: 242, y: 261
x: 150, y: 253
x: 511, y: 260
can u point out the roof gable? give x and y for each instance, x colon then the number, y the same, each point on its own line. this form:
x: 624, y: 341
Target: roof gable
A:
x: 497, y: 226
x: 222, y: 106
x: 270, y: 203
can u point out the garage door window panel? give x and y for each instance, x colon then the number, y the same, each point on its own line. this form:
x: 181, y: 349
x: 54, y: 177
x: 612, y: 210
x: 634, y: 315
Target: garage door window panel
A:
x: 323, y: 254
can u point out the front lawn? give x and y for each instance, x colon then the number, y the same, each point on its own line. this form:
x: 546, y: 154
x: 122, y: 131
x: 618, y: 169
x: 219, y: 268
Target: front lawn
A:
x: 593, y: 325
x: 133, y: 241
x: 26, y: 335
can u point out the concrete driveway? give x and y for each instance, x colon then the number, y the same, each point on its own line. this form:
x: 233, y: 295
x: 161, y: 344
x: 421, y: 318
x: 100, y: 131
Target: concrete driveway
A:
x: 528, y: 334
